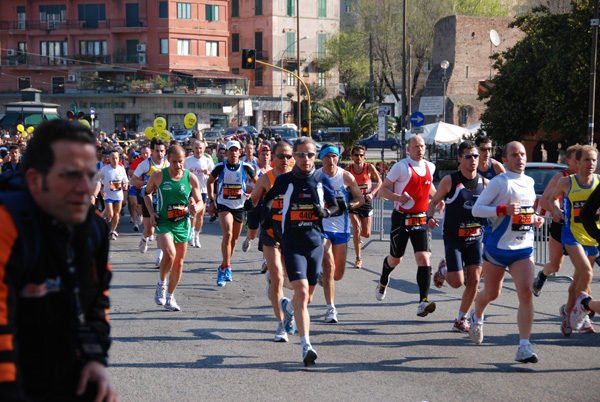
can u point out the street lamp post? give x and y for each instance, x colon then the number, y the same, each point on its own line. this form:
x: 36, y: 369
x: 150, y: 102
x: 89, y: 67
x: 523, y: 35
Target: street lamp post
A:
x: 281, y: 59
x: 444, y: 65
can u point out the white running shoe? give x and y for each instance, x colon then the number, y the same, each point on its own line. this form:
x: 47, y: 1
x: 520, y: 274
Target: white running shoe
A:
x: 160, y: 297
x: 525, y: 354
x: 246, y: 244
x: 192, y: 242
x: 143, y: 245
x: 281, y: 335
x: 136, y: 227
x: 476, y: 330
x: 197, y: 240
x: 140, y: 220
x: 331, y: 316
x: 157, y: 262
x: 425, y: 307
x: 578, y: 313
x: 171, y: 304
x: 308, y: 355
x: 380, y: 291
x: 113, y: 236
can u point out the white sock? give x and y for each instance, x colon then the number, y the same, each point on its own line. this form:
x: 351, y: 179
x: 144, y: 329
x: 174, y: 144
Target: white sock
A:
x: 161, y: 283
x: 159, y: 254
x: 194, y: 232
x: 305, y: 340
x: 145, y: 238
x: 478, y: 320
x: 444, y: 271
x: 169, y: 295
x: 461, y: 315
x: 330, y: 306
x: 523, y: 342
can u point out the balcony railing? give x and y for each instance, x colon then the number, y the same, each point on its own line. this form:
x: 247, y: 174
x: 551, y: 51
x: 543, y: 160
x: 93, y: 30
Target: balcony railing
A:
x: 36, y: 25
x: 76, y: 60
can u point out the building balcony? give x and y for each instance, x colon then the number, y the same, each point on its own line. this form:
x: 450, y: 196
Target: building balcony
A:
x: 101, y: 61
x: 36, y: 25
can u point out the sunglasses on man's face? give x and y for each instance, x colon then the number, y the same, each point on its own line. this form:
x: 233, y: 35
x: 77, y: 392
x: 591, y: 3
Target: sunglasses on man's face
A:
x: 305, y: 154
x: 359, y: 155
x: 488, y: 149
x: 471, y: 156
x: 281, y: 156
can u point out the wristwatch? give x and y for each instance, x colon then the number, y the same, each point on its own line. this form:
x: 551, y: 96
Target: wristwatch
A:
x: 209, y: 201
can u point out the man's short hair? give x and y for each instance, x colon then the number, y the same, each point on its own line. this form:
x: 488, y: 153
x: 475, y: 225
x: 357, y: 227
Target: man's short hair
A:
x: 584, y: 148
x: 510, y: 144
x: 174, y: 150
x: 465, y: 145
x: 358, y: 148
x: 279, y: 144
x: 155, y: 141
x: 114, y: 151
x: 12, y: 147
x: 303, y: 141
x: 40, y: 155
x: 571, y: 149
x: 483, y: 139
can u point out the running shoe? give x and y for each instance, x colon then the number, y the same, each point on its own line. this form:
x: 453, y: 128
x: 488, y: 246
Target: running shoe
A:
x: 425, y: 307
x: 320, y: 280
x: 358, y: 263
x: 151, y: 238
x: 113, y: 236
x: 157, y: 262
x: 525, y: 354
x: 461, y: 325
x: 565, y: 326
x: 331, y: 316
x: 213, y: 218
x: 587, y: 327
x: 288, y: 318
x: 136, y: 227
x: 220, y: 277
x: 578, y: 312
x: 246, y: 244
x: 130, y: 220
x: 228, y: 276
x: 264, y: 267
x: 192, y: 242
x: 281, y: 335
x: 438, y: 277
x: 171, y: 304
x: 308, y: 355
x: 197, y: 240
x: 140, y: 220
x: 143, y: 245
x: 476, y: 330
x: 380, y: 291
x: 160, y: 297
x: 538, y: 284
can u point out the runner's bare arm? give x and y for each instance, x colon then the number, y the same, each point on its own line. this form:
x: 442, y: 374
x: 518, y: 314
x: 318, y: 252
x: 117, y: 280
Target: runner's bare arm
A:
x: 442, y: 190
x: 376, y: 178
x: 195, y: 205
x: 357, y: 197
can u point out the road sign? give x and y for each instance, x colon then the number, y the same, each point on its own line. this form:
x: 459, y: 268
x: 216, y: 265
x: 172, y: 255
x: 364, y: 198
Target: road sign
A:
x: 384, y: 111
x: 417, y: 130
x: 339, y: 129
x: 417, y: 119
x: 383, y: 127
x: 92, y: 111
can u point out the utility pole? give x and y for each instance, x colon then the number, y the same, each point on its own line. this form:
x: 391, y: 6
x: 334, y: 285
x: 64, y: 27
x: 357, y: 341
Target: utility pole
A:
x: 298, y: 55
x: 403, y: 114
x: 592, y: 101
x: 371, y: 97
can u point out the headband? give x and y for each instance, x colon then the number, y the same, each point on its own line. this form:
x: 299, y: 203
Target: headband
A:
x: 329, y: 150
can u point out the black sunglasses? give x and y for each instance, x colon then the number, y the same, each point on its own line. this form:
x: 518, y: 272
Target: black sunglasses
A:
x: 485, y: 149
x: 470, y: 156
x: 281, y: 156
x: 361, y: 155
x: 305, y: 154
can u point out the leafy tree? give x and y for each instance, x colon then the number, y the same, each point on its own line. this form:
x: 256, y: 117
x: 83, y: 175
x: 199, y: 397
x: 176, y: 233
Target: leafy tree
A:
x: 543, y: 81
x: 340, y: 113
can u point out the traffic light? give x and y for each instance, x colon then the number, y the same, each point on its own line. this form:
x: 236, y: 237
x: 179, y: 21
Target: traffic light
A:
x: 304, y: 127
x: 249, y: 59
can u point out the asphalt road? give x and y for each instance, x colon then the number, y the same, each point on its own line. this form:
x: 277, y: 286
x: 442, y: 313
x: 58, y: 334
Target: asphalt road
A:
x: 220, y: 348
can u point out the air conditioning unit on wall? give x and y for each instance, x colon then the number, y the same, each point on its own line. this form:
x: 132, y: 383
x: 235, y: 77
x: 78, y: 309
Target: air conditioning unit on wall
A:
x: 72, y: 78
x: 12, y: 62
x: 11, y: 52
x: 142, y: 58
x: 141, y: 48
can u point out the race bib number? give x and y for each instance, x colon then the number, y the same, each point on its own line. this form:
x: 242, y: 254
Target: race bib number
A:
x: 364, y: 188
x: 177, y: 212
x: 232, y: 192
x: 303, y: 217
x: 469, y: 231
x: 523, y: 221
x: 116, y: 185
x: 415, y: 221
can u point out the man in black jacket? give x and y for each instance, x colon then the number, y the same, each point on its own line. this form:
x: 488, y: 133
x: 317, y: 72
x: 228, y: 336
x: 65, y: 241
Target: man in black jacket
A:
x: 54, y: 274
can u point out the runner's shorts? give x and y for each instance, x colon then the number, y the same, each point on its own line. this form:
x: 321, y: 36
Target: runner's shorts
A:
x: 503, y: 258
x: 238, y: 214
x: 302, y: 262
x: 419, y: 238
x: 180, y: 230
x: 461, y: 254
x: 364, y: 211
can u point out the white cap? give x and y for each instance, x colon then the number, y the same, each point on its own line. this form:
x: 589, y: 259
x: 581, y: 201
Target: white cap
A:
x: 233, y: 144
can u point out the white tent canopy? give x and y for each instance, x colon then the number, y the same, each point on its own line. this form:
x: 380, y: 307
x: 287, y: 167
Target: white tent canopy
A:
x: 474, y: 128
x: 441, y: 133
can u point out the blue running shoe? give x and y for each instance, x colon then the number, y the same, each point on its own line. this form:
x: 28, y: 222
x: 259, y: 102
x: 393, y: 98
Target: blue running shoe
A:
x: 220, y: 277
x: 308, y: 355
x: 228, y: 277
x: 288, y: 318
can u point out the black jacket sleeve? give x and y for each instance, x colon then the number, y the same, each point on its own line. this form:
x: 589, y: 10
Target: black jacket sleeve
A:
x: 588, y: 214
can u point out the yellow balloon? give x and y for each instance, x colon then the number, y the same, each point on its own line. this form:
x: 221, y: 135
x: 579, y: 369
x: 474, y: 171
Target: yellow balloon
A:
x: 165, y: 135
x: 30, y: 129
x: 25, y: 134
x: 150, y: 132
x: 84, y: 123
x: 189, y: 120
x: 160, y: 124
x: 20, y: 128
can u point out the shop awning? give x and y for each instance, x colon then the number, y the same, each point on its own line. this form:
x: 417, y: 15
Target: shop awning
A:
x: 9, y: 120
x: 210, y: 74
x: 33, y: 119
x: 52, y: 117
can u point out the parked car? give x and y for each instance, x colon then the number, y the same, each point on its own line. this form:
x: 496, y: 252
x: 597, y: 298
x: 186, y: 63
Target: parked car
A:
x: 324, y: 136
x: 542, y: 173
x: 237, y: 132
x: 250, y: 129
x: 285, y: 132
x: 183, y: 134
x: 373, y: 142
x: 212, y: 137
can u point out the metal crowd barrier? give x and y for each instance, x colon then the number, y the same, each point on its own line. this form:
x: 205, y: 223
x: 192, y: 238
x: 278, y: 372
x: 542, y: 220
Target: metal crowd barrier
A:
x: 377, y: 222
x: 541, y: 248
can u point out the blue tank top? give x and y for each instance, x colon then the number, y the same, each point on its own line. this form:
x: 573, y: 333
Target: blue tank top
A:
x: 459, y: 223
x: 490, y: 173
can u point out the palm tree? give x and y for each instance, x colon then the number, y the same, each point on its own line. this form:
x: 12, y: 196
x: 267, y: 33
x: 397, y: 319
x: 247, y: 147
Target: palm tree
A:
x: 340, y: 113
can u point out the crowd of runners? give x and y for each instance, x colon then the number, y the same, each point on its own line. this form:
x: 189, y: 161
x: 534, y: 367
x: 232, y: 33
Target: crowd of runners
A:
x: 302, y: 219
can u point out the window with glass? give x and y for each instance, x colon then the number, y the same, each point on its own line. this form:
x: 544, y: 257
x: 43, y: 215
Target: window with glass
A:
x: 291, y: 80
x: 347, y: 7
x: 258, y: 44
x: 184, y: 47
x: 163, y: 9
x: 92, y: 47
x: 291, y: 8
x: 235, y: 71
x: 235, y: 8
x: 321, y: 77
x: 54, y: 52
x: 321, y: 52
x: 258, y: 9
x: 24, y: 82
x: 184, y: 11
x: 58, y: 85
x: 91, y: 14
x: 22, y: 54
x: 322, y: 8
x: 258, y: 77
x: 291, y: 48
x: 212, y: 13
x: 235, y: 42
x: 21, y: 18
x: 164, y: 46
x: 212, y: 49
x: 53, y: 13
